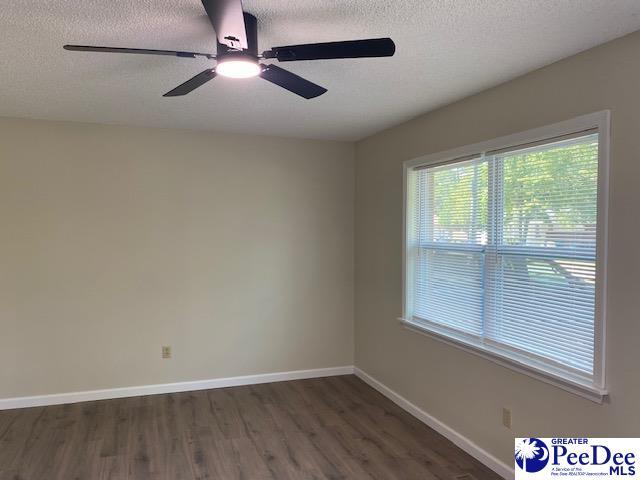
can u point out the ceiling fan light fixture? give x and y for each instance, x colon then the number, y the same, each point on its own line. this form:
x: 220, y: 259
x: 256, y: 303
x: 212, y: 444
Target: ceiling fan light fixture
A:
x: 238, y: 68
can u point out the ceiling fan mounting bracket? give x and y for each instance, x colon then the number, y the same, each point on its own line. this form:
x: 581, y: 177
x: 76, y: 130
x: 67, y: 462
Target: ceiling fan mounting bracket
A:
x: 251, y: 26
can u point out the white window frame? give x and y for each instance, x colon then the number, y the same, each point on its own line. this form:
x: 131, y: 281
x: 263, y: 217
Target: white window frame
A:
x: 594, y: 389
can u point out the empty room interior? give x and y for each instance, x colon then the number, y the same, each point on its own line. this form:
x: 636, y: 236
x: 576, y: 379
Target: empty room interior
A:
x: 294, y: 239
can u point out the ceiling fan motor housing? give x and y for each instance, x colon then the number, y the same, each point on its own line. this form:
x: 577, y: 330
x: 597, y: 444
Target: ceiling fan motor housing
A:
x: 251, y: 53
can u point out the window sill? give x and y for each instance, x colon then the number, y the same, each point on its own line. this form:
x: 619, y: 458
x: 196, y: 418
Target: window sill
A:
x: 576, y: 387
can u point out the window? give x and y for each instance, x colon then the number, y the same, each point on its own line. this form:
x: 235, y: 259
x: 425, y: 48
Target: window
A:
x: 502, y: 251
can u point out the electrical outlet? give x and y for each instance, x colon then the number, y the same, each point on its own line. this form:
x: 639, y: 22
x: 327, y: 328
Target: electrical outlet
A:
x: 506, y: 417
x: 166, y: 351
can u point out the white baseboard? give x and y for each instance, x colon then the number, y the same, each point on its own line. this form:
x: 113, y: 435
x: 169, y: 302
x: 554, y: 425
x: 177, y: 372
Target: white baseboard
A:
x: 460, y: 440
x: 75, y: 397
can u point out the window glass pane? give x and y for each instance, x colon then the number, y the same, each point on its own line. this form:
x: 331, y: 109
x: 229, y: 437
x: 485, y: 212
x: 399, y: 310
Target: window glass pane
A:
x: 452, y: 204
x: 541, y: 291
x: 450, y: 228
x: 449, y: 289
x: 544, y: 307
x: 549, y: 196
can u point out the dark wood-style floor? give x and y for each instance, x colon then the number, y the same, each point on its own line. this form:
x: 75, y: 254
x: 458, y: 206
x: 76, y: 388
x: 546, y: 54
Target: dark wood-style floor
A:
x: 328, y: 428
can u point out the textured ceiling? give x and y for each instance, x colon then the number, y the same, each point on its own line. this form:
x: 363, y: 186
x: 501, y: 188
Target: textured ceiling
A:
x: 446, y: 49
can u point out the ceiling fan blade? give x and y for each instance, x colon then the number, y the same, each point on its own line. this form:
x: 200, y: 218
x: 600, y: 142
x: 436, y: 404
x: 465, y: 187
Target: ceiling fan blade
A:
x: 374, y: 47
x: 141, y: 51
x: 291, y: 81
x: 192, y: 83
x: 228, y: 21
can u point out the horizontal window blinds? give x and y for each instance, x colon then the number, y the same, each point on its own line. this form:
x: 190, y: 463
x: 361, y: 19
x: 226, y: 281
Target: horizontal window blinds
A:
x: 502, y: 248
x: 451, y: 229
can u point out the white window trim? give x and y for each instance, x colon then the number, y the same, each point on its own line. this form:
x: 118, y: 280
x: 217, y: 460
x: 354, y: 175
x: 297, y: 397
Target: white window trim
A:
x: 594, y: 390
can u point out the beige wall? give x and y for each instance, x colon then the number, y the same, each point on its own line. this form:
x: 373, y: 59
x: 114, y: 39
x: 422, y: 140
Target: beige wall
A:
x: 236, y: 251
x: 462, y: 390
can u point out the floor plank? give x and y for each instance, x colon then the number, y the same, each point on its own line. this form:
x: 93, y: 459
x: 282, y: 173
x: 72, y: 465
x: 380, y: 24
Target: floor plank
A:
x: 334, y: 428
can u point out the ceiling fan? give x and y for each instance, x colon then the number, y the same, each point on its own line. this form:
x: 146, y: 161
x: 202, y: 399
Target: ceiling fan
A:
x: 237, y: 52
